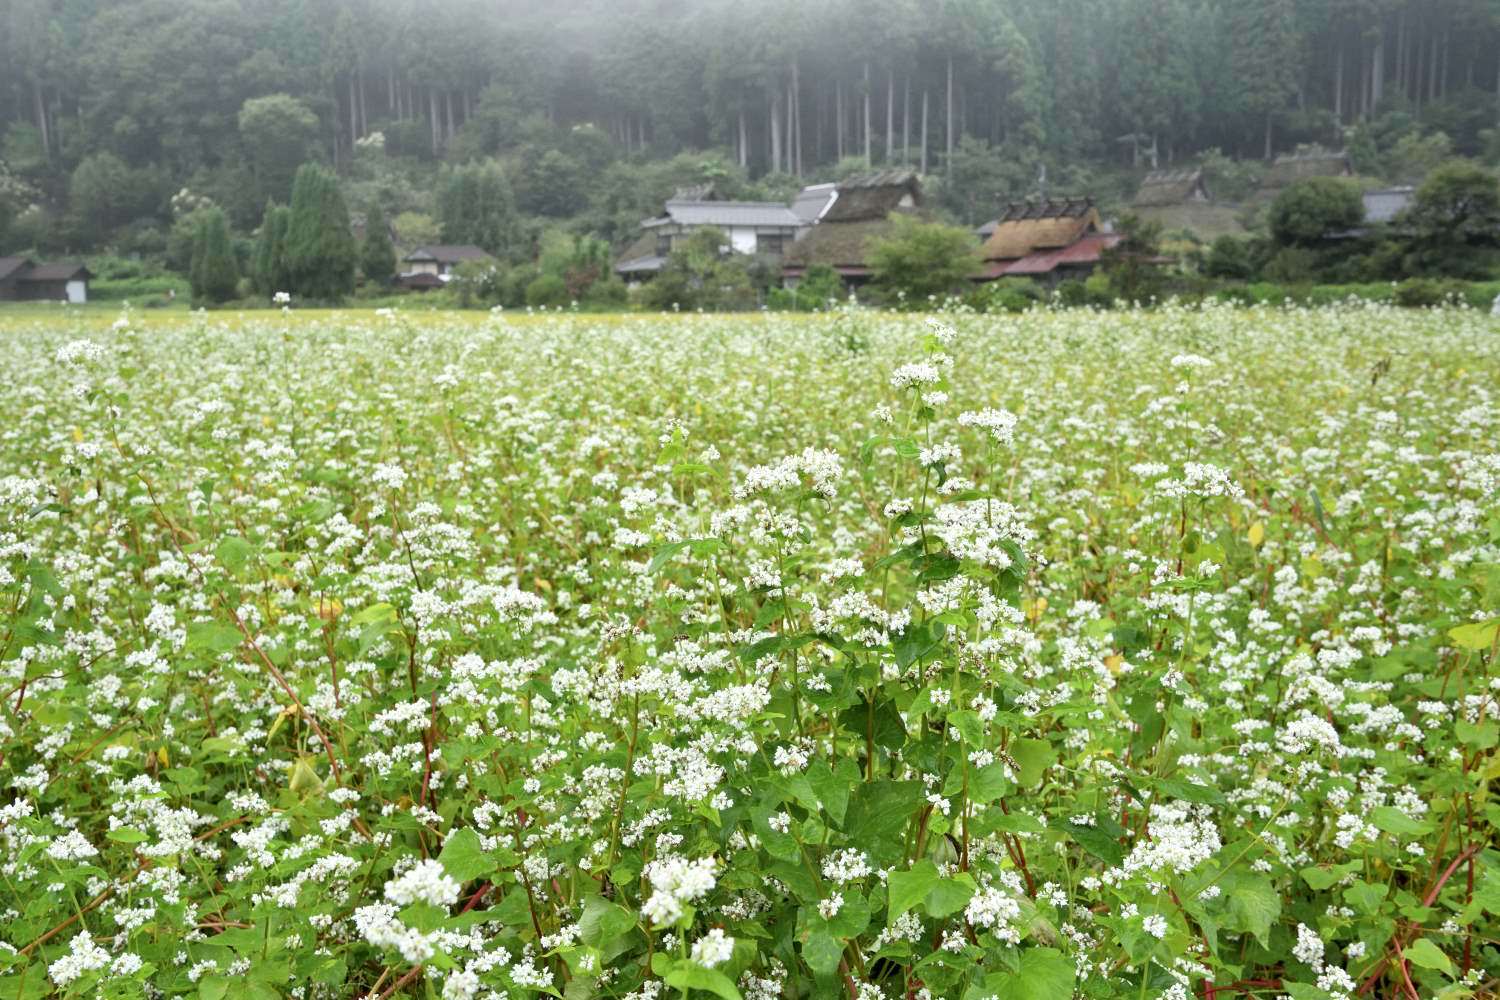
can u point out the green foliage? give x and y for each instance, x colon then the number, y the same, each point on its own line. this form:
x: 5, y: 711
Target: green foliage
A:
x: 104, y: 193
x: 1311, y: 209
x: 1230, y: 257
x: 749, y: 656
x: 320, y: 251
x: 923, y: 261
x: 1454, y: 221
x: 475, y: 206
x: 279, y: 133
x: 701, y: 273
x: 377, y: 257
x: 214, y: 276
x: 1012, y: 295
x: 547, y: 291
x: 271, y: 272
x: 1132, y: 266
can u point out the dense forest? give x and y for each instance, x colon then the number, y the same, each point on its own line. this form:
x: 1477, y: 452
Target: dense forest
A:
x: 117, y: 115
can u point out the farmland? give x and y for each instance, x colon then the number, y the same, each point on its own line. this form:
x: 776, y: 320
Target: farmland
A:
x: 1137, y: 654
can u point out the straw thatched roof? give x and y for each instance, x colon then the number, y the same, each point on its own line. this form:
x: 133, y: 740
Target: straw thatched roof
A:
x: 837, y: 244
x: 1171, y: 187
x: 1307, y: 162
x: 1025, y: 227
x: 874, y: 196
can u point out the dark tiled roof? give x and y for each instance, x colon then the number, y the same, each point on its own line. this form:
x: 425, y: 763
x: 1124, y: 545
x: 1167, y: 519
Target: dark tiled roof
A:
x: 9, y: 266
x: 56, y: 272
x: 1385, y: 205
x: 728, y: 213
x: 448, y: 253
x: 812, y: 201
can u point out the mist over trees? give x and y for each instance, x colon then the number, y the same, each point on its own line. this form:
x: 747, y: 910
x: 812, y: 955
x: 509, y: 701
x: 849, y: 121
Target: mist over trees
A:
x: 109, y: 109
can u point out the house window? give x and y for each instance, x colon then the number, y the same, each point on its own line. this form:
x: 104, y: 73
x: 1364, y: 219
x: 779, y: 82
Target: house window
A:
x: 771, y: 243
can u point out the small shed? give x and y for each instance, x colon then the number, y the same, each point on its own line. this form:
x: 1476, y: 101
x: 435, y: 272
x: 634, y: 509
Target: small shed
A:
x: 11, y: 270
x: 1385, y: 204
x: 1163, y: 188
x: 59, y: 281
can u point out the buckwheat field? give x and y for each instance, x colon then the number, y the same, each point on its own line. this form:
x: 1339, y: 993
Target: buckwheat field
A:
x: 1137, y: 655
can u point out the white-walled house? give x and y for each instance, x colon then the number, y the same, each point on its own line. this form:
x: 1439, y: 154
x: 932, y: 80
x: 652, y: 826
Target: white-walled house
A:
x: 750, y: 227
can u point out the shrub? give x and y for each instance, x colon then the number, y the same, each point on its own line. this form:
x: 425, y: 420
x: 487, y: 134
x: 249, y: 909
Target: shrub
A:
x: 547, y: 290
x: 1011, y: 295
x: 1422, y: 293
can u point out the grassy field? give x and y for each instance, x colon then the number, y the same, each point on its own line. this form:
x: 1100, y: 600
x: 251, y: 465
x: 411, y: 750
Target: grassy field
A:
x: 1140, y: 654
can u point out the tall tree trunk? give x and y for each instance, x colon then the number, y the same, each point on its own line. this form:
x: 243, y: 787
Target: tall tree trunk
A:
x: 924, y: 130
x: 1432, y: 69
x: 41, y: 119
x: 1377, y: 76
x: 775, y: 132
x: 789, y: 145
x: 390, y: 93
x: 1401, y: 36
x: 1269, y: 116
x: 432, y: 114
x: 838, y: 119
x: 797, y: 116
x: 948, y: 160
x: 906, y: 123
x: 867, y: 113
x: 890, y: 113
x: 1338, y: 86
x: 744, y: 145
x: 447, y: 116
x: 353, y: 111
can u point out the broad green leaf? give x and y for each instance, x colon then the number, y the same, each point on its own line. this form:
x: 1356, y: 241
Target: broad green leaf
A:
x: 1428, y: 955
x: 1032, y: 757
x: 1475, y: 635
x: 464, y: 858
x: 904, y: 890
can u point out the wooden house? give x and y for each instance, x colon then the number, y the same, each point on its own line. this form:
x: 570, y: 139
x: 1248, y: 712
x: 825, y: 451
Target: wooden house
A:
x: 848, y: 226
x: 23, y: 280
x: 1165, y: 188
x: 1050, y: 241
x: 749, y: 227
x: 1305, y: 163
x: 432, y: 266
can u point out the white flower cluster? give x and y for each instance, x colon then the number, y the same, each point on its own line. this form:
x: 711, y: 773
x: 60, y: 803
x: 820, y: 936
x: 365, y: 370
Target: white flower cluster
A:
x: 675, y: 882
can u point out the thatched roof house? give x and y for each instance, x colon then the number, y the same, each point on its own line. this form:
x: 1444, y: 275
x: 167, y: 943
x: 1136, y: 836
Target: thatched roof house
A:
x: 1306, y: 162
x: 858, y: 216
x: 1162, y: 188
x: 1046, y: 239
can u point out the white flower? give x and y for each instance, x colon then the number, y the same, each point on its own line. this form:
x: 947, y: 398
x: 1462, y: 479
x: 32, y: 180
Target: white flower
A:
x: 714, y: 948
x: 425, y: 883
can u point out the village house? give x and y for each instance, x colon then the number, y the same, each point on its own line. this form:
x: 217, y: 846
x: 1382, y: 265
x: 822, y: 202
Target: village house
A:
x: 432, y: 266
x: 856, y: 215
x: 1049, y: 241
x: 23, y: 280
x: 1165, y: 188
x: 749, y: 227
x: 1306, y: 162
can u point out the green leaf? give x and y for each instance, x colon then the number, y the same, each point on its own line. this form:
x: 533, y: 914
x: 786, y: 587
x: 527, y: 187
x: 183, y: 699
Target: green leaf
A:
x: 1098, y: 843
x: 464, y: 858
x: 1191, y: 791
x: 1254, y: 904
x: 1475, y: 635
x: 1428, y: 955
x: 603, y: 921
x: 213, y: 637
x: 1364, y: 897
x: 689, y: 975
x: 904, y: 890
x: 949, y: 895
x: 1042, y: 974
x: 233, y: 552
x: 214, y: 987
x: 1393, y: 820
x: 1032, y: 757
x: 126, y: 835
x: 822, y: 952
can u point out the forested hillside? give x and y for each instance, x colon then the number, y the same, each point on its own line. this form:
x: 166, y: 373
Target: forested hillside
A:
x: 112, y: 109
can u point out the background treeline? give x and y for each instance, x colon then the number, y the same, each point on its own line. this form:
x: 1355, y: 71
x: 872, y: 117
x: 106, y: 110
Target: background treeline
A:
x: 120, y: 119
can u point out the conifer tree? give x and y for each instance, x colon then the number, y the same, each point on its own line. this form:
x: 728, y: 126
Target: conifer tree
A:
x: 320, y: 250
x: 270, y: 251
x: 215, y: 277
x: 378, y: 256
